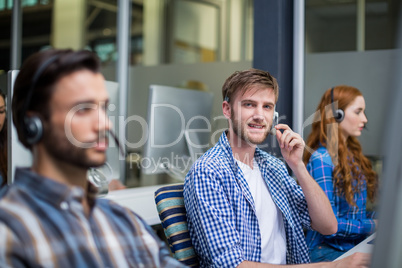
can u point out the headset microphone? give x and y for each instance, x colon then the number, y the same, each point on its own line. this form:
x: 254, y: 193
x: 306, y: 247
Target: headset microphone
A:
x: 274, y: 123
x: 116, y: 140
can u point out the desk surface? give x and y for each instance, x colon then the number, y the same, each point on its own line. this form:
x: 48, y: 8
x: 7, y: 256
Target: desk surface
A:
x: 140, y: 200
x: 366, y: 246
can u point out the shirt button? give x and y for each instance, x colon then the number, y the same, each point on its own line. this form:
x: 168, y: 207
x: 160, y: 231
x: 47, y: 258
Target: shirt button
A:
x: 64, y: 205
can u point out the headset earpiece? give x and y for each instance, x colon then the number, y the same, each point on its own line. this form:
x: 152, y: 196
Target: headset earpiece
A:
x: 339, y: 114
x: 33, y: 129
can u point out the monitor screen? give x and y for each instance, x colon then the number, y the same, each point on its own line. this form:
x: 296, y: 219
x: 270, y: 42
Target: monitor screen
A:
x: 179, y: 129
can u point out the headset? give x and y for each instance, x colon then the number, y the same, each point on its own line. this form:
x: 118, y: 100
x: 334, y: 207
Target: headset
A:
x: 274, y: 123
x: 275, y: 119
x: 32, y: 125
x: 339, y: 114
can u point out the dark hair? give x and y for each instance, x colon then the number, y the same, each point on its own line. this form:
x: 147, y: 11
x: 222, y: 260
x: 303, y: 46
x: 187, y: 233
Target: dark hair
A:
x: 241, y: 81
x: 66, y: 62
x: 3, y: 147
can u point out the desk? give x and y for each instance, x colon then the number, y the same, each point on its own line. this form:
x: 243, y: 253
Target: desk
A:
x: 366, y: 246
x: 140, y: 200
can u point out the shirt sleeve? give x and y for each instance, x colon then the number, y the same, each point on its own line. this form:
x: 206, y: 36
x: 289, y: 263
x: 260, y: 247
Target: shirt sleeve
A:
x: 299, y: 200
x: 321, y: 168
x: 11, y: 250
x: 211, y: 219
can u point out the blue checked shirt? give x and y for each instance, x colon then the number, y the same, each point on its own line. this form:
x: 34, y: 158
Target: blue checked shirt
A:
x: 221, y: 213
x: 354, y: 223
x: 42, y: 224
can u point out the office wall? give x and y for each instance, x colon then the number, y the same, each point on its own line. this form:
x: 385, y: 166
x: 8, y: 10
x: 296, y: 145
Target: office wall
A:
x: 211, y: 74
x: 371, y: 71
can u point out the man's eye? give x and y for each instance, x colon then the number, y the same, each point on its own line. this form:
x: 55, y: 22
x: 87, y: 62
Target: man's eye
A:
x: 2, y: 111
x: 84, y: 110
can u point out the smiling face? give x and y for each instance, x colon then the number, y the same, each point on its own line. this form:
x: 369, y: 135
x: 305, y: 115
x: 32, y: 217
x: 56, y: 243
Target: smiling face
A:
x: 76, y: 131
x: 355, y: 118
x: 251, y: 115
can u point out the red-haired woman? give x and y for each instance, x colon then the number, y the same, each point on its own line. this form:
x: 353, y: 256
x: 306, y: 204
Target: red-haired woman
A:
x: 335, y: 160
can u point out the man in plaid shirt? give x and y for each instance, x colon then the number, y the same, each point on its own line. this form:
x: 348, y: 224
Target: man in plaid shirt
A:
x: 243, y: 208
x: 51, y: 216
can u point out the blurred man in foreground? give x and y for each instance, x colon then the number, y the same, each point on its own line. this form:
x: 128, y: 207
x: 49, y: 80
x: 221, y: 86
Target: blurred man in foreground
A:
x: 50, y: 216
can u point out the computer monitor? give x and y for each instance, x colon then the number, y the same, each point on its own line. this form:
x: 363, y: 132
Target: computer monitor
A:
x: 179, y: 129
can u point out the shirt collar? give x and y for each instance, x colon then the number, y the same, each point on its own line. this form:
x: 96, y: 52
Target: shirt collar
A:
x: 50, y: 190
x: 227, y: 149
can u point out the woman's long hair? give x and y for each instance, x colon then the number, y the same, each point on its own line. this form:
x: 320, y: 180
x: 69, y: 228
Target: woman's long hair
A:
x: 346, y: 155
x: 3, y: 148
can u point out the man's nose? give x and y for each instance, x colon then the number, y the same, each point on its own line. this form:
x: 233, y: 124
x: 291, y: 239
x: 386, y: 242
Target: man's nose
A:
x: 258, y: 113
x: 104, y: 122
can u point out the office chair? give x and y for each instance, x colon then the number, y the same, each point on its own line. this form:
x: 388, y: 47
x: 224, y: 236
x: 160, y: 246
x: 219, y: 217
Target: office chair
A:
x: 172, y: 213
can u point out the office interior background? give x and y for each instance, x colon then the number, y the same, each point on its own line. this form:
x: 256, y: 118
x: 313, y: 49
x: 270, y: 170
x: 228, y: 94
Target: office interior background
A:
x: 198, y: 44
x: 183, y: 43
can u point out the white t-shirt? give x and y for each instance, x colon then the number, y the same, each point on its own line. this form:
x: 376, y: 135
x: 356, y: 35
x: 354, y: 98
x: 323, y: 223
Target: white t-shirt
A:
x: 270, y: 219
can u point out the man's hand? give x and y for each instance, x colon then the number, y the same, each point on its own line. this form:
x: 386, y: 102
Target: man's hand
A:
x: 291, y: 144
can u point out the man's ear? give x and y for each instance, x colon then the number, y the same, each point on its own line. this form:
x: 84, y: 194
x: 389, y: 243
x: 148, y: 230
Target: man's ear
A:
x: 226, y: 109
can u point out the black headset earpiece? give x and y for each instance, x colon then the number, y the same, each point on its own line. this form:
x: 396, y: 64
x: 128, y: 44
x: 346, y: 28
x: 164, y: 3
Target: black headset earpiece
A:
x: 33, y: 129
x: 32, y: 125
x: 339, y: 114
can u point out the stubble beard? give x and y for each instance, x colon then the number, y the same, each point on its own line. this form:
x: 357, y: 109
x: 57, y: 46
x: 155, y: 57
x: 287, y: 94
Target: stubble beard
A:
x: 241, y: 132
x: 59, y: 147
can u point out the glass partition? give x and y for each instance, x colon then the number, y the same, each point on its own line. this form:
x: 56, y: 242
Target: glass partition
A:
x: 194, y: 31
x: 164, y: 34
x: 350, y: 25
x: 354, y: 43
x: 162, y: 31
